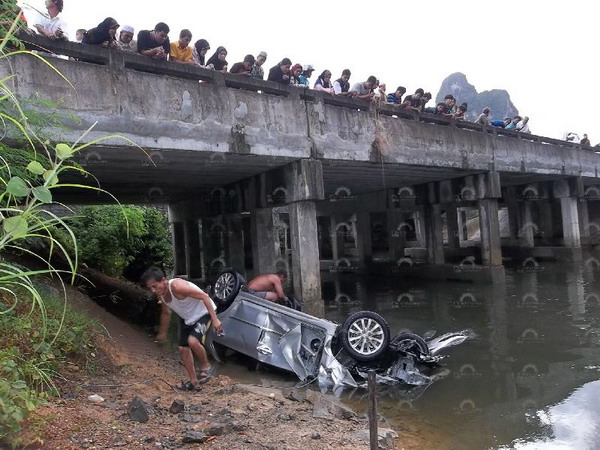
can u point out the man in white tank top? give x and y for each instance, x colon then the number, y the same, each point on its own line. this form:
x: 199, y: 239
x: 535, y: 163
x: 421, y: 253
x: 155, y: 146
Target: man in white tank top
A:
x: 196, y: 310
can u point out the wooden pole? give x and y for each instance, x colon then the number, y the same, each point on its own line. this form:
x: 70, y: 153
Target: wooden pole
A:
x: 374, y: 437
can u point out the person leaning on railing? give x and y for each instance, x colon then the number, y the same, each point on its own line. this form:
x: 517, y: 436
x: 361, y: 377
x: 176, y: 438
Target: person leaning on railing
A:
x: 155, y: 43
x: 103, y: 35
x: 52, y: 26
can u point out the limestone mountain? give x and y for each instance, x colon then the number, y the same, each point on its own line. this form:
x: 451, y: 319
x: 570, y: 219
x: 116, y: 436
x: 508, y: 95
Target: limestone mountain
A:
x: 498, y: 100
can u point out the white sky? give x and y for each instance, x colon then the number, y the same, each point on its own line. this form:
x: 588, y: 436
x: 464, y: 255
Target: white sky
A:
x: 542, y: 52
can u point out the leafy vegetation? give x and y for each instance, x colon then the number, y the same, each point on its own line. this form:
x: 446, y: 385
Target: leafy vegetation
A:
x: 122, y: 241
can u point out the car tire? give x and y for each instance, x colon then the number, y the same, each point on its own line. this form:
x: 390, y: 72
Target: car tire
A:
x: 365, y: 335
x: 410, y: 343
x: 226, y: 288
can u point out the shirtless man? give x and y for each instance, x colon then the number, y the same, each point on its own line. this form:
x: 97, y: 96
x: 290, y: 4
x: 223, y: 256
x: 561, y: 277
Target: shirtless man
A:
x: 268, y: 286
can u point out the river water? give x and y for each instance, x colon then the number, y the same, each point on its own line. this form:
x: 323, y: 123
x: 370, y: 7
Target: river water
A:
x: 531, y: 377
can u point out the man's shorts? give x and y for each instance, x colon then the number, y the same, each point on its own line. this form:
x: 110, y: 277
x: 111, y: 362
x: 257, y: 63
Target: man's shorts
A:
x: 198, y: 330
x: 260, y: 294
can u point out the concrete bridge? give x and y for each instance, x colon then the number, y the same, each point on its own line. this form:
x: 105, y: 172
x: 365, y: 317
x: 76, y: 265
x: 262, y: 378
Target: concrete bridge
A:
x: 306, y: 181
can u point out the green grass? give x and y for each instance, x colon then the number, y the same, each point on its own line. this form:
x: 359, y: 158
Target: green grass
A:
x: 31, y: 357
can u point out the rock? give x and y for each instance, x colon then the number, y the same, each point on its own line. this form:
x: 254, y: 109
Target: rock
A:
x: 148, y: 439
x: 194, y: 437
x: 185, y: 417
x: 224, y: 391
x: 385, y: 436
x: 315, y: 436
x: 240, y: 426
x: 110, y: 405
x: 263, y: 392
x: 138, y: 410
x: 328, y: 407
x: 285, y: 417
x: 217, y: 429
x: 178, y: 406
x: 294, y: 394
x: 95, y: 398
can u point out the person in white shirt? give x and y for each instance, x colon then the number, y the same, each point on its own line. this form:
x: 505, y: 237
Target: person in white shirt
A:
x: 523, y: 125
x: 197, y: 313
x: 52, y: 26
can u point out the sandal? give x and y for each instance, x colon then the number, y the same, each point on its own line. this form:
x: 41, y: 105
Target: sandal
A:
x: 205, y: 374
x: 187, y: 386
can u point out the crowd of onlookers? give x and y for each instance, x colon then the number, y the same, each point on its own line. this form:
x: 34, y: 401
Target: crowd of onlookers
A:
x: 155, y: 44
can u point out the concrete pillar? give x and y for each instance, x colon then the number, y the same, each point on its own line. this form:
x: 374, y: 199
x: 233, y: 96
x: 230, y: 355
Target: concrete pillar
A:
x: 306, y: 276
x: 526, y: 226
x: 193, y: 260
x: 263, y: 241
x: 570, y: 221
x: 179, y: 260
x: 235, y: 244
x: 513, y: 220
x: 452, y: 226
x: 546, y: 220
x: 363, y: 238
x: 397, y: 238
x: 584, y: 218
x: 433, y: 231
x: 491, y: 252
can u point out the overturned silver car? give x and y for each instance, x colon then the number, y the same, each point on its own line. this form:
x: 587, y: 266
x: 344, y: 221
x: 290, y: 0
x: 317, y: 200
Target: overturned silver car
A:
x: 313, y: 348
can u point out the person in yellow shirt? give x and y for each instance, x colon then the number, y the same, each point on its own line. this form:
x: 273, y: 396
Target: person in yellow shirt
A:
x: 181, y: 50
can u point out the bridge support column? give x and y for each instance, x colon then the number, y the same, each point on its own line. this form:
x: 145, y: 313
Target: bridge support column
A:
x: 489, y: 225
x: 264, y: 255
x: 452, y: 226
x: 434, y: 234
x: 363, y: 238
x: 584, y: 219
x: 305, y: 256
x: 526, y: 226
x: 193, y: 259
x: 235, y: 244
x: 565, y: 190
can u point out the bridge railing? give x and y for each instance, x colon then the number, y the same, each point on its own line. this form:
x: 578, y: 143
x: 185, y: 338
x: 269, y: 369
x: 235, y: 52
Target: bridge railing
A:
x: 119, y: 60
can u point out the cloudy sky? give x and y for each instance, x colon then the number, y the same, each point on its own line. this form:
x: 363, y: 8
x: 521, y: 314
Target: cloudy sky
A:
x: 541, y: 52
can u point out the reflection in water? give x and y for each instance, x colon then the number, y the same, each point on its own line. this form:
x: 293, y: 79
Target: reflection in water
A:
x: 572, y: 424
x: 537, y: 337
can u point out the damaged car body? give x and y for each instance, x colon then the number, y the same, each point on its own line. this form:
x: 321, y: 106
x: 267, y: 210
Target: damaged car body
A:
x: 313, y: 348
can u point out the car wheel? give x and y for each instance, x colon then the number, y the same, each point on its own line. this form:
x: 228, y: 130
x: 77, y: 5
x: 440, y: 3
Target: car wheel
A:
x: 365, y: 335
x: 226, y: 288
x: 410, y: 343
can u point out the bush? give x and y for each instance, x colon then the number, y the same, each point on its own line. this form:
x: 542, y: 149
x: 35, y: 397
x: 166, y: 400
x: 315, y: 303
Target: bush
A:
x: 122, y: 240
x: 31, y: 355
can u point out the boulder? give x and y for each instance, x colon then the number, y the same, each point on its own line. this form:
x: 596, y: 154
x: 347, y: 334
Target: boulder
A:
x: 178, y: 406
